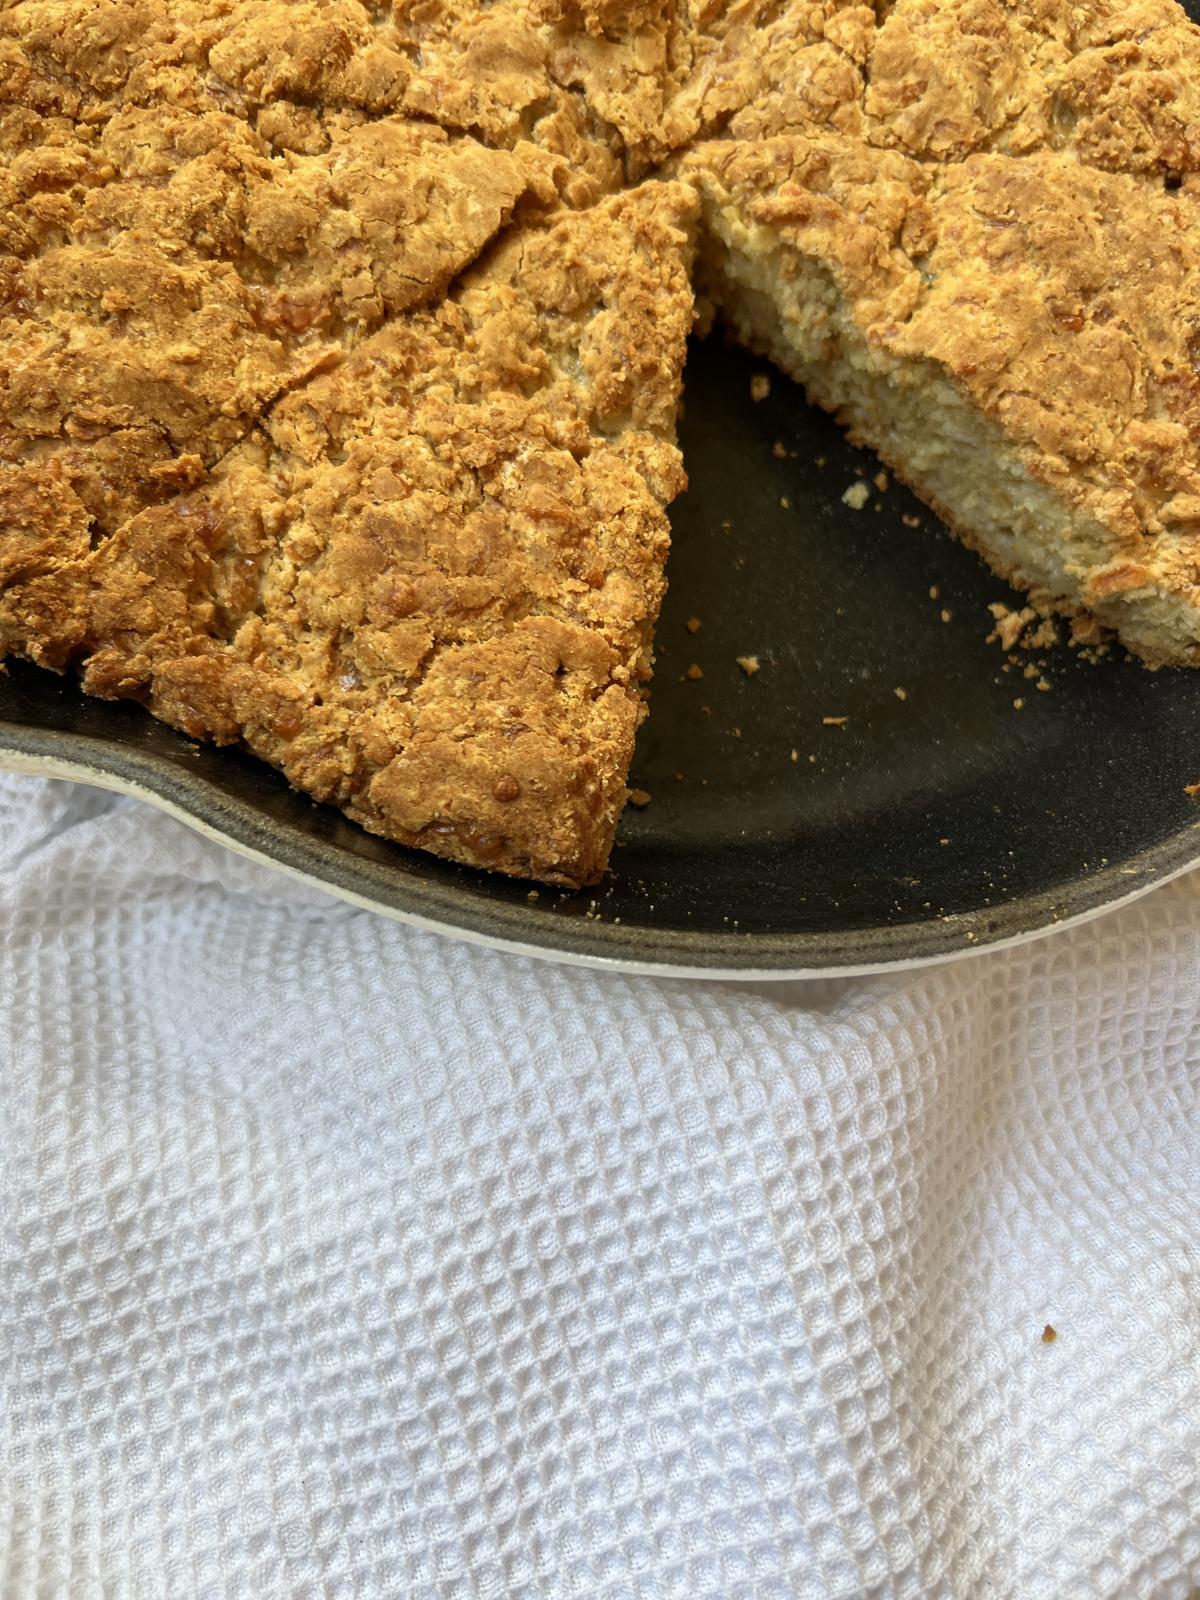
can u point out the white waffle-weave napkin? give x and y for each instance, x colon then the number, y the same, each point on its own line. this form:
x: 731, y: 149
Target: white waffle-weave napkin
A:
x: 344, y: 1260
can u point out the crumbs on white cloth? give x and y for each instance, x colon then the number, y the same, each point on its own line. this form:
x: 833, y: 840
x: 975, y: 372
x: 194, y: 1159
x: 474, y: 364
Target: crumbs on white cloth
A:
x: 343, y: 1259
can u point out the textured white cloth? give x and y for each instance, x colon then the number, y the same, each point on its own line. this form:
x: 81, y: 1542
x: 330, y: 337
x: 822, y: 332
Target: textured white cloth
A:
x: 341, y: 1259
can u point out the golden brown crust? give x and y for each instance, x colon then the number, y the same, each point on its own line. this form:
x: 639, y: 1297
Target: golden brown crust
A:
x: 1084, y: 296
x: 1114, y: 82
x: 168, y: 269
x: 426, y: 588
x: 340, y: 361
x: 294, y: 69
x: 1011, y: 203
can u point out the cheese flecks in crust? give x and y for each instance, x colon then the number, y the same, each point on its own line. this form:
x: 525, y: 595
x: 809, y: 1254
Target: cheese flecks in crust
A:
x: 425, y: 587
x: 342, y: 344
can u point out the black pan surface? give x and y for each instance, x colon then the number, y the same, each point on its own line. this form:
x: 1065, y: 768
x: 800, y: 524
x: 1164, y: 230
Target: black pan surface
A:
x: 973, y: 808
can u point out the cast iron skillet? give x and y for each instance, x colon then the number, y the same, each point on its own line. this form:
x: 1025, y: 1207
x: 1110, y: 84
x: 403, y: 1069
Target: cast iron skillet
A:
x: 917, y: 828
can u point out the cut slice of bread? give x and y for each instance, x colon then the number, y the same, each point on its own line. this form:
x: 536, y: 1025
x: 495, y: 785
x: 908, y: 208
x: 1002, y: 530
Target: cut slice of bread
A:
x: 1016, y: 337
x: 425, y: 585
x: 340, y: 345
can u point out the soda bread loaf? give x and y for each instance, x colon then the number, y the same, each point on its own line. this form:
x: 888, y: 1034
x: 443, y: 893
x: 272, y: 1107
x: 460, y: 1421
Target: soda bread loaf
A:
x: 342, y: 345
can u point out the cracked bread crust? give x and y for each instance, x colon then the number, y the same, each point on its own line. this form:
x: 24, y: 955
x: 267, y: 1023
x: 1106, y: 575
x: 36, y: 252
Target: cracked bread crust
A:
x: 260, y: 472
x: 341, y: 358
x: 289, y: 67
x: 1008, y: 209
x: 425, y: 586
x: 165, y: 275
x: 1113, y: 82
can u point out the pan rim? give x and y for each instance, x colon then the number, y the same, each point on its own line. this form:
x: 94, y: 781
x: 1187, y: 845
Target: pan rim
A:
x: 461, y: 912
